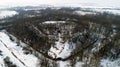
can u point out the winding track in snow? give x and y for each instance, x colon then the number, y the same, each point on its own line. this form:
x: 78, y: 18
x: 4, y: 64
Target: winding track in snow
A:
x: 13, y: 53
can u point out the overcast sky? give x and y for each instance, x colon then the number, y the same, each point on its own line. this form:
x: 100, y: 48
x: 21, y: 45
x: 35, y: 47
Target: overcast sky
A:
x: 99, y: 3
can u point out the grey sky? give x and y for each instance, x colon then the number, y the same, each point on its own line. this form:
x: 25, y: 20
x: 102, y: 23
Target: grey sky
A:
x: 95, y: 3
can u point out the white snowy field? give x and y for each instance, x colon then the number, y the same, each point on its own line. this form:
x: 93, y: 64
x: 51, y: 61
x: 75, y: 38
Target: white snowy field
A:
x: 7, y: 13
x: 15, y: 53
x: 108, y: 63
x: 53, y: 22
x: 111, y: 10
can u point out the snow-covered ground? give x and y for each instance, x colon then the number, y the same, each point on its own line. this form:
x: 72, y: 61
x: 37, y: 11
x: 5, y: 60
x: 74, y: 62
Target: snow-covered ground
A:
x: 15, y: 53
x: 64, y: 63
x: 109, y: 10
x: 84, y: 13
x: 10, y: 49
x: 7, y: 13
x: 109, y: 63
x: 61, y: 50
x: 79, y: 64
x: 68, y: 64
x: 53, y: 22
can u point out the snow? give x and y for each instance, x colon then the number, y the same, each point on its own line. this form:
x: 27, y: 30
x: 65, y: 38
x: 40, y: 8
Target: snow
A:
x: 7, y: 13
x: 62, y: 50
x: 15, y: 53
x: 84, y: 13
x: 1, y: 62
x: 64, y: 63
x: 79, y: 64
x: 53, y: 22
x: 108, y: 63
x: 97, y: 47
x: 96, y: 10
x: 68, y: 64
x: 6, y: 52
x: 114, y: 11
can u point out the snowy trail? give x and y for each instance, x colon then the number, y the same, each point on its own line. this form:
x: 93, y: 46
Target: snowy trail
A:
x: 15, y: 53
